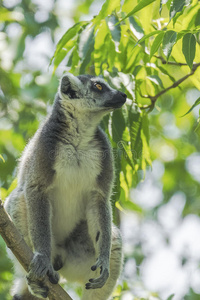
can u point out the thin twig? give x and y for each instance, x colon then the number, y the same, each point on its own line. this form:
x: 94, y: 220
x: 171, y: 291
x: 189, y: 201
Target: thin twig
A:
x: 165, y: 62
x: 174, y: 85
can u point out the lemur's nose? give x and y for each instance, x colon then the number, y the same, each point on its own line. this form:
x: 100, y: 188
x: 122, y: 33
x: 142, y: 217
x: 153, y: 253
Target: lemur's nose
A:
x: 123, y: 95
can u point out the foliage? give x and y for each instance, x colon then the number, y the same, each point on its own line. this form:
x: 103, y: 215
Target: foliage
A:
x: 122, y: 44
x: 148, y: 49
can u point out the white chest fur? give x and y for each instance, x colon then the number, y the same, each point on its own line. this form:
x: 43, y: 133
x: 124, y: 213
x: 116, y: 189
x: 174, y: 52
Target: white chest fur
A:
x: 76, y: 174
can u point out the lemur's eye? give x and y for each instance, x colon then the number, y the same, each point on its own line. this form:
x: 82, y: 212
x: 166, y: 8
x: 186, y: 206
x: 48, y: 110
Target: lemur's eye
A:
x: 98, y: 86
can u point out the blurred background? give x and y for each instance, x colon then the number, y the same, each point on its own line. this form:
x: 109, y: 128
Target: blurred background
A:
x: 161, y: 227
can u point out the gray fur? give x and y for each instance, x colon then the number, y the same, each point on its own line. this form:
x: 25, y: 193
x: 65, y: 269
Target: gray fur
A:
x: 62, y: 202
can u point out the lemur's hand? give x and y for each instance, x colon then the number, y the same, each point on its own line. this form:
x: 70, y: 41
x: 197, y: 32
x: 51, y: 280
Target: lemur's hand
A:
x: 96, y: 283
x: 39, y: 267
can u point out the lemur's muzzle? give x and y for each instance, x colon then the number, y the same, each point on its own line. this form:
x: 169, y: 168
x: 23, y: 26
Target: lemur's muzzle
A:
x: 117, y: 101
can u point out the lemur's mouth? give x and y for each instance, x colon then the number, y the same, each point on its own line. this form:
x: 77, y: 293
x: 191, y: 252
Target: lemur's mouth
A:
x: 117, y: 101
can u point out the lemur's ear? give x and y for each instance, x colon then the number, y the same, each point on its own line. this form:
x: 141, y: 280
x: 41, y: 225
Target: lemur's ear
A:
x: 70, y: 85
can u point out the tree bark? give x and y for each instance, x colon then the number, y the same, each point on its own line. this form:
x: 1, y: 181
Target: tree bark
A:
x: 23, y: 253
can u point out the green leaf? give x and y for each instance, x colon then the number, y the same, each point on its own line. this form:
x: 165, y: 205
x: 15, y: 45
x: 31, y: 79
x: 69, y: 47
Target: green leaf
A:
x: 197, y: 18
x: 100, y: 51
x: 162, y: 2
x: 137, y: 27
x: 86, y: 47
x: 139, y: 136
x: 59, y: 57
x: 74, y: 59
x: 156, y: 79
x: 171, y: 297
x: 136, y: 70
x: 127, y: 155
x: 131, y: 206
x: 68, y: 36
x: 164, y: 71
x: 156, y: 43
x: 146, y: 157
x: 191, y: 295
x: 12, y: 186
x: 69, y: 63
x: 197, y: 102
x: 125, y: 203
x: 189, y: 48
x: 177, y: 9
x: 138, y: 7
x: 1, y: 157
x: 177, y: 6
x: 108, y: 7
x: 177, y: 16
x: 85, y: 39
x: 118, y: 125
x: 135, y: 134
x: 169, y: 41
x: 147, y: 36
x: 115, y: 28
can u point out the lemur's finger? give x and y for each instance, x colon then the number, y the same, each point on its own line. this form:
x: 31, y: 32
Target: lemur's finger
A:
x: 95, y: 283
x: 97, y: 265
x: 53, y: 277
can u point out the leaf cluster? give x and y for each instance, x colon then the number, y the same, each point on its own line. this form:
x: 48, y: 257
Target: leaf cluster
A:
x: 134, y: 48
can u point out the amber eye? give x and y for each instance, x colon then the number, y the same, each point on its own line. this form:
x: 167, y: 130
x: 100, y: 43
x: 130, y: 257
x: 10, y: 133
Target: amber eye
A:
x: 99, y: 86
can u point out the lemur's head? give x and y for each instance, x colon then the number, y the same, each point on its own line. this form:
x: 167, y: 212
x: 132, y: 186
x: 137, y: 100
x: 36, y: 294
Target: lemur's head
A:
x: 90, y: 93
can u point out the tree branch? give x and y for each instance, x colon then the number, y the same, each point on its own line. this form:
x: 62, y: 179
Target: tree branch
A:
x: 165, y: 62
x: 174, y: 85
x: 22, y: 252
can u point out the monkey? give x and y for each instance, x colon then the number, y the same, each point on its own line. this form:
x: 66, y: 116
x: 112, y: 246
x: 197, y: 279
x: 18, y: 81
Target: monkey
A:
x: 62, y: 202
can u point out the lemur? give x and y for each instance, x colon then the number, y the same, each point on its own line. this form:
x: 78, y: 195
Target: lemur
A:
x: 61, y: 204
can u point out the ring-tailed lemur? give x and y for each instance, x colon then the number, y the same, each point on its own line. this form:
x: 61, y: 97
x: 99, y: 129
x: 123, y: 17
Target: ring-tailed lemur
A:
x: 62, y: 205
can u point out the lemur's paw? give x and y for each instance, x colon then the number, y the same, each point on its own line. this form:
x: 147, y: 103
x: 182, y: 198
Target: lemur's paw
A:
x: 97, y: 283
x: 37, y: 288
x: 39, y: 267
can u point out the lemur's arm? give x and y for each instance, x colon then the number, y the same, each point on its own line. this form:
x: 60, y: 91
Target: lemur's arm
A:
x: 99, y: 215
x: 39, y: 219
x: 99, y: 225
x: 40, y: 233
x: 39, y: 216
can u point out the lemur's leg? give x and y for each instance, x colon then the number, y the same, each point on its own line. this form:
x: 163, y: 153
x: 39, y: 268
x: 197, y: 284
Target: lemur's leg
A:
x: 115, y: 268
x: 25, y: 296
x: 20, y: 288
x: 21, y: 292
